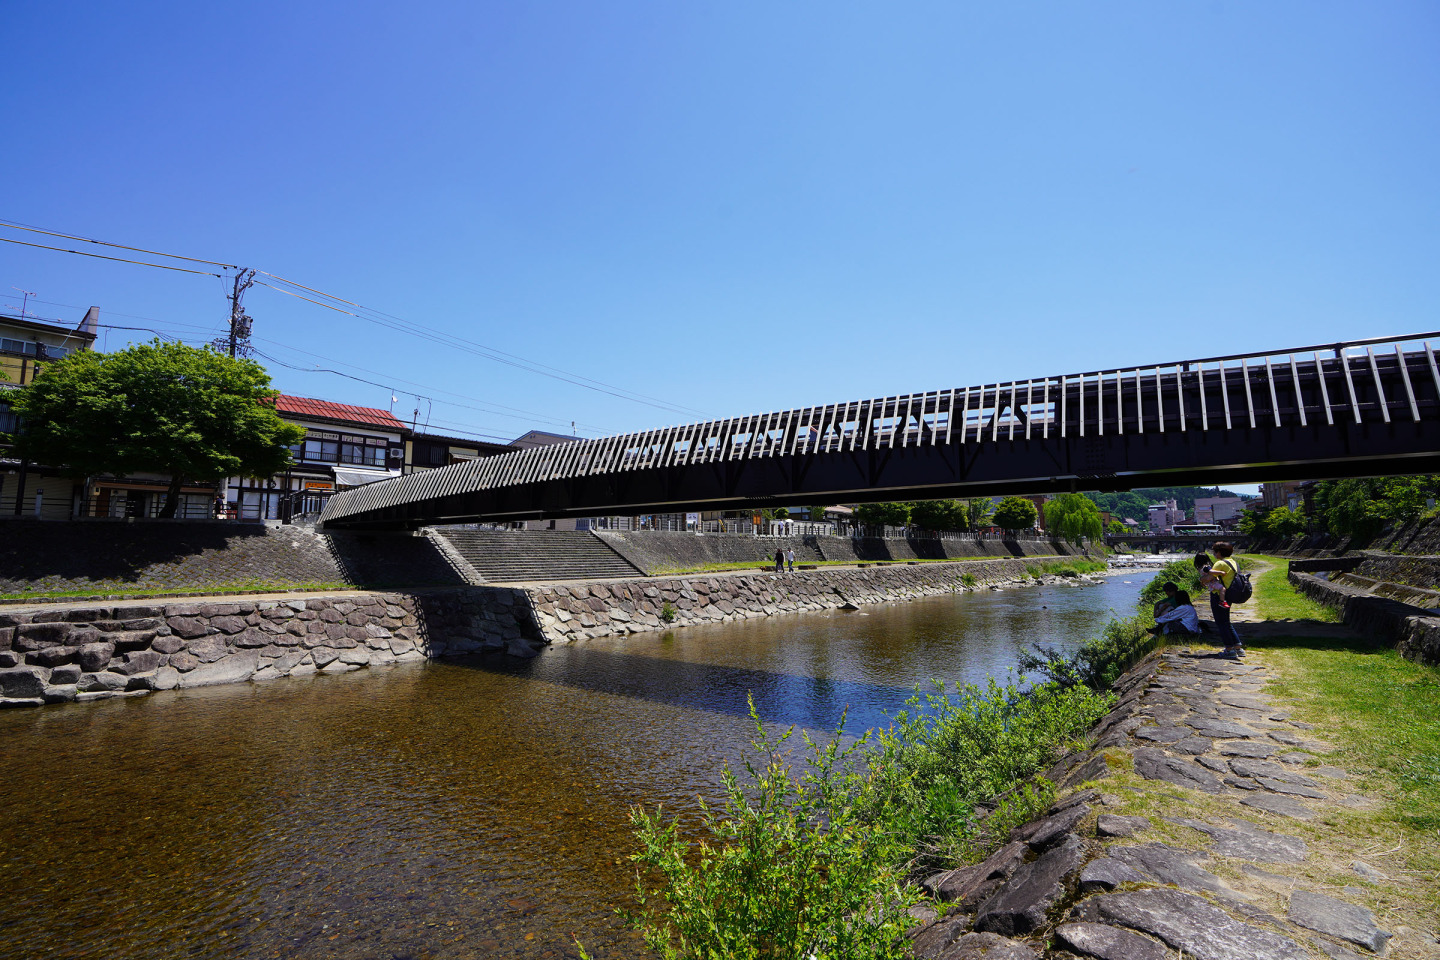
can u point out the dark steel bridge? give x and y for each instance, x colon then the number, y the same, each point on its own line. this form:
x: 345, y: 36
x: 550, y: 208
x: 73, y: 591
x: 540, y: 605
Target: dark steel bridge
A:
x: 1360, y: 408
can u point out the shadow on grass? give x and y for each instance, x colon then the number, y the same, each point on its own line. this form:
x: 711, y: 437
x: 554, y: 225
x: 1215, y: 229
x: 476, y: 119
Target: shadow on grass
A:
x: 1279, y: 639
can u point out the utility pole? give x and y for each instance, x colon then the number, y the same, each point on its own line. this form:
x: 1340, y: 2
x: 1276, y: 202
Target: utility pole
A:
x: 239, y: 321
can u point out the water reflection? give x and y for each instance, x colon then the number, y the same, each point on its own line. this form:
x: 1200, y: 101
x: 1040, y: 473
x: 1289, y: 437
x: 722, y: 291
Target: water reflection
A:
x: 437, y: 810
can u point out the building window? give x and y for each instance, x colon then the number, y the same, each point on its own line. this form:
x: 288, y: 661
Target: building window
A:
x: 9, y: 420
x: 431, y: 454
x: 25, y: 347
x: 364, y: 451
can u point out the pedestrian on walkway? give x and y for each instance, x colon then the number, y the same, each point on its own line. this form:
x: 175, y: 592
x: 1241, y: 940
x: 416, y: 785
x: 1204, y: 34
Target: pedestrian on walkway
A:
x: 790, y: 558
x: 779, y: 560
x: 1224, y: 571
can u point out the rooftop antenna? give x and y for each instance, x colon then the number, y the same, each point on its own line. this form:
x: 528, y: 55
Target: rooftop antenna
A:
x: 24, y: 302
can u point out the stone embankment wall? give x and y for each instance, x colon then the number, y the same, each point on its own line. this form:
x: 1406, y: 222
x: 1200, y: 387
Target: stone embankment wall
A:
x: 581, y: 611
x: 1412, y: 630
x: 656, y: 552
x: 94, y: 653
x: 81, y: 653
x: 102, y: 557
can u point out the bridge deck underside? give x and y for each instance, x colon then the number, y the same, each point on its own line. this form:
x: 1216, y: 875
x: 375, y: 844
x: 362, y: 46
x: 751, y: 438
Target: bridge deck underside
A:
x: 1189, y: 424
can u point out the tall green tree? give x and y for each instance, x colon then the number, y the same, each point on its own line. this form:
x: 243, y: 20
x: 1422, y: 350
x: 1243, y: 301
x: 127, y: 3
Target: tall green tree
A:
x: 978, y: 511
x: 1285, y: 522
x: 888, y: 514
x: 195, y: 414
x: 1015, y: 513
x: 1074, y: 517
x: 938, y: 514
x: 1362, y: 507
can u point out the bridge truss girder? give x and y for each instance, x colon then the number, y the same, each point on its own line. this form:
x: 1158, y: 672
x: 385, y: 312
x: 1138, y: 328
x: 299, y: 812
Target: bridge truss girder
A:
x: 979, y: 467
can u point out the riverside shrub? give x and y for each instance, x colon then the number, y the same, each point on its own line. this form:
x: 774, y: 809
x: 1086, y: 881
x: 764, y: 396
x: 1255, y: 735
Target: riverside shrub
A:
x: 790, y: 869
x: 947, y: 754
x: 818, y: 864
x: 1099, y: 662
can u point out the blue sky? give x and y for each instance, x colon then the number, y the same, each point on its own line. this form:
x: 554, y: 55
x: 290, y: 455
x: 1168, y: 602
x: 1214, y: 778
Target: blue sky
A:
x: 731, y: 207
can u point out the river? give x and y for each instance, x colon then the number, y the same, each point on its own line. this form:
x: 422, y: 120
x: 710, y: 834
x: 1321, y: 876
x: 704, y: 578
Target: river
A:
x: 442, y: 810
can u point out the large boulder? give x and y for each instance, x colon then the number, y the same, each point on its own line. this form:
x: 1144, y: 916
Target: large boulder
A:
x: 1024, y: 902
x: 96, y: 656
x: 1190, y: 924
x: 236, y: 668
x: 38, y: 636
x: 22, y: 683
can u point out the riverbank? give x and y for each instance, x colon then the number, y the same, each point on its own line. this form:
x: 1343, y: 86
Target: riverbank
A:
x: 78, y: 653
x: 1209, y: 819
x: 1280, y: 807
x: 569, y: 612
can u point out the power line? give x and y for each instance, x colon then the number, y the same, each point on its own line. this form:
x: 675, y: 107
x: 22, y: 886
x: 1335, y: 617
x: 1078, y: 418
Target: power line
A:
x: 120, y: 246
x: 390, y: 321
x: 130, y: 316
x: 468, y: 346
x: 489, y: 352
x: 491, y: 408
x: 516, y: 413
x: 99, y: 256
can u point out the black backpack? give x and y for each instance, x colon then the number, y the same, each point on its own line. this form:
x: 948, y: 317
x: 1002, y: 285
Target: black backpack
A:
x: 1239, y: 590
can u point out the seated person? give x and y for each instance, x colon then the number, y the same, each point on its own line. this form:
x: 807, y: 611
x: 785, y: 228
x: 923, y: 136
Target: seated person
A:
x: 1166, y: 604
x: 1180, y: 621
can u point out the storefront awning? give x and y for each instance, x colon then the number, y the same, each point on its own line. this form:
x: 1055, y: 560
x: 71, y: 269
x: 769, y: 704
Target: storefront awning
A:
x: 350, y: 477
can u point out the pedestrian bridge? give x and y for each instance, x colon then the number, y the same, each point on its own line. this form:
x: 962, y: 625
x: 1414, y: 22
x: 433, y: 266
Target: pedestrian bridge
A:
x: 1359, y: 408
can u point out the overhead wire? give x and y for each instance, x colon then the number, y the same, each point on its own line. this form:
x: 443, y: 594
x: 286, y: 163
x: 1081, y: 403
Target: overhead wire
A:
x: 490, y: 408
x: 101, y: 256
x: 468, y: 346
x: 380, y: 318
x: 491, y: 352
x: 16, y: 225
x: 517, y: 413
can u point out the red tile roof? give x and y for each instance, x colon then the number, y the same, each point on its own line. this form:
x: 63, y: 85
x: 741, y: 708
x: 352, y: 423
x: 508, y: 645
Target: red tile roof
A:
x: 343, y: 412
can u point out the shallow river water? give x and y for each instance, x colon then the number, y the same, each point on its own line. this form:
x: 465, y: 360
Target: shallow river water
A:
x: 441, y: 810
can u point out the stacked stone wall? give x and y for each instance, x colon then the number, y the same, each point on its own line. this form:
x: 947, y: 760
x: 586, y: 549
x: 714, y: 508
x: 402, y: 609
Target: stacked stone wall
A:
x: 103, y: 557
x: 580, y: 611
x: 95, y: 653
x: 1422, y: 572
x: 1411, y: 630
x: 657, y: 552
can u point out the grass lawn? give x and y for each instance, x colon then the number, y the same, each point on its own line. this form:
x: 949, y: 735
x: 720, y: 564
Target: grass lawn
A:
x: 1275, y: 599
x: 1380, y: 711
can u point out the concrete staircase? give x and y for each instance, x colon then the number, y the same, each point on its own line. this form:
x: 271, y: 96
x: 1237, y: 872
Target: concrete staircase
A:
x: 511, y: 556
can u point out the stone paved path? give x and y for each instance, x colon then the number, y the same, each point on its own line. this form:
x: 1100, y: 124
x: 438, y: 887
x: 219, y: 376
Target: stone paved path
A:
x: 1240, y: 858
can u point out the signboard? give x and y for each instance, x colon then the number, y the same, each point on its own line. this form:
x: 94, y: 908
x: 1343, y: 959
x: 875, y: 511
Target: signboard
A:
x: 319, y: 485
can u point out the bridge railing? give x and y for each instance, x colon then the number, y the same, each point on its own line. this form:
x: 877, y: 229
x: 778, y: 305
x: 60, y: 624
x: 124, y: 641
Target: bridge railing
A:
x: 1378, y: 379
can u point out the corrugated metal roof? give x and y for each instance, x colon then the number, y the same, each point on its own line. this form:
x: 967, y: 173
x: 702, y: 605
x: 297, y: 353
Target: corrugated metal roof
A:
x: 343, y: 412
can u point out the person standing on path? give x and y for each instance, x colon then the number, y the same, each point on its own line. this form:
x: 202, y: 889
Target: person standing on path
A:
x: 790, y: 558
x: 779, y: 560
x: 1225, y: 569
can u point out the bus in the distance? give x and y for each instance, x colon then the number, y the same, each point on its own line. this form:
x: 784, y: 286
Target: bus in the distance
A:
x: 1197, y: 530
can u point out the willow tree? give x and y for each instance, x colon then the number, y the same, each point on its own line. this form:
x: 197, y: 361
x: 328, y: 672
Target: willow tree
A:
x: 192, y: 413
x: 1074, y: 517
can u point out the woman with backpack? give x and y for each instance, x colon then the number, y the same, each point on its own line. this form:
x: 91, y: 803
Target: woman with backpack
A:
x: 1227, y: 571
